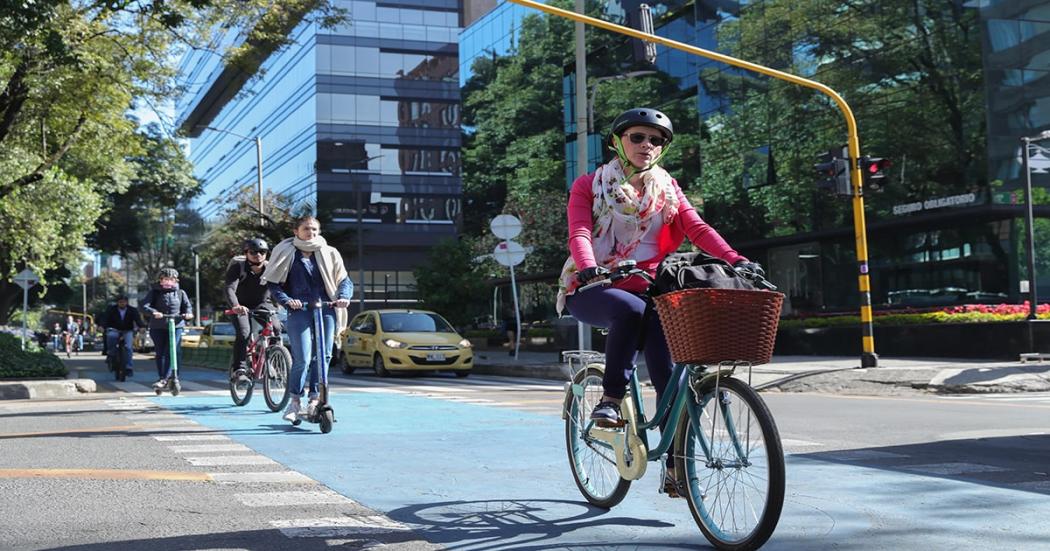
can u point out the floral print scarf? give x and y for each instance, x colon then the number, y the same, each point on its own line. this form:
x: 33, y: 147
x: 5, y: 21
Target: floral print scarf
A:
x: 621, y: 217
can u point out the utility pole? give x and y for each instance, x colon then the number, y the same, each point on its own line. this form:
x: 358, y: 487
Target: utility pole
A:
x: 259, y: 181
x: 583, y: 333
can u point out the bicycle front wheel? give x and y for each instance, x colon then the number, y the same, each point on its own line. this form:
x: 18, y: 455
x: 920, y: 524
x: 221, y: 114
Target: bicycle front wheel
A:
x: 731, y: 466
x: 593, y: 462
x: 275, y: 381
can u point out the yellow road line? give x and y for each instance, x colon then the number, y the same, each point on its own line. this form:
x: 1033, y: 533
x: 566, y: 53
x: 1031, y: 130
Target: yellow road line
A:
x: 105, y: 474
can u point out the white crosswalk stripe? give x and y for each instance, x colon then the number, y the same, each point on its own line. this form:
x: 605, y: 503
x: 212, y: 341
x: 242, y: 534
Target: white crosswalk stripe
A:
x: 289, y: 477
x: 210, y: 448
x: 190, y: 437
x: 217, y: 460
x: 1018, y: 397
x: 286, y: 499
x: 337, y: 527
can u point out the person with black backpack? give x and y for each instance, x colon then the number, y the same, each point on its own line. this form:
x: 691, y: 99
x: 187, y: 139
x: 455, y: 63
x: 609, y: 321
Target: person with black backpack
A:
x: 245, y: 292
x: 630, y: 209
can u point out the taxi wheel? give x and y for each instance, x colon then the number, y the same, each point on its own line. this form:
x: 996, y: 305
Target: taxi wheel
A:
x: 379, y: 366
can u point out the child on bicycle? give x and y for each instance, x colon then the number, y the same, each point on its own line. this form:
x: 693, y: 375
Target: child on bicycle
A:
x: 304, y: 270
x: 246, y: 291
x: 630, y: 209
x: 166, y: 298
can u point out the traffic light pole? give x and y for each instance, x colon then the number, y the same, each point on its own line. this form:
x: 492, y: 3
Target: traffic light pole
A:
x: 868, y: 357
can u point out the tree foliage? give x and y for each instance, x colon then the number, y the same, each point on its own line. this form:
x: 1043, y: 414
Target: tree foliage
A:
x: 911, y: 72
x: 451, y: 283
x: 69, y: 72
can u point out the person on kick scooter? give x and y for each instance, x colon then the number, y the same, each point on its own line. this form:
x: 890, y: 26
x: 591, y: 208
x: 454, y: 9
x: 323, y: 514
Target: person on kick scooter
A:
x: 121, y: 319
x: 303, y: 270
x: 166, y: 298
x: 245, y: 291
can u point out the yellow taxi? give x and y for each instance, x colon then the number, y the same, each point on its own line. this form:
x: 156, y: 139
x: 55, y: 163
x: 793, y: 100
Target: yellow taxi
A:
x: 404, y: 340
x: 218, y: 334
x: 191, y: 336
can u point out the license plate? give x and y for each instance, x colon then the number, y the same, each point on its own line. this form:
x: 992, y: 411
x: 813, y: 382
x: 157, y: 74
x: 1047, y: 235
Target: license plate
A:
x: 435, y: 357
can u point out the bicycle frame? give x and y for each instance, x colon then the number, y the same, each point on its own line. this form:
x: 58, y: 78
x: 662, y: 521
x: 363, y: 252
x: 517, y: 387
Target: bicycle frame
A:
x: 633, y: 441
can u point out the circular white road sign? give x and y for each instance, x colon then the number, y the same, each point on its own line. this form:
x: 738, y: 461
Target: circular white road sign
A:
x: 509, y: 253
x: 505, y: 226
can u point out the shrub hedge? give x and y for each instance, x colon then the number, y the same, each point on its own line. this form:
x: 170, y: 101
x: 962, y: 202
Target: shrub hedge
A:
x: 31, y: 363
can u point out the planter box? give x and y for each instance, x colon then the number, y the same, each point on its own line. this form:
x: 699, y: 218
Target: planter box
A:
x: 996, y: 340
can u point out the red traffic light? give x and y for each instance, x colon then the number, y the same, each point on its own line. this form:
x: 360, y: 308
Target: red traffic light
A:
x: 875, y: 166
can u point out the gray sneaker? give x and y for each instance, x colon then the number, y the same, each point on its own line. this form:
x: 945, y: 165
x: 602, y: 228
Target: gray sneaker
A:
x: 607, y: 414
x: 291, y: 413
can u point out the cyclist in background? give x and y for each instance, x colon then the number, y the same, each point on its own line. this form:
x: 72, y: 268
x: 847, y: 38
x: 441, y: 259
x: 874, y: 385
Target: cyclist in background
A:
x: 630, y: 209
x: 70, y: 335
x: 121, y: 319
x: 166, y: 298
x: 245, y: 291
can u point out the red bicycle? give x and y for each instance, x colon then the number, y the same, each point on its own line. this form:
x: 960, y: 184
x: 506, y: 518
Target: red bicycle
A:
x: 268, y: 360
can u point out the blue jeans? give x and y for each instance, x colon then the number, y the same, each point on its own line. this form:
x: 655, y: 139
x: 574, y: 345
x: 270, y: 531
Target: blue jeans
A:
x: 301, y: 338
x: 621, y: 312
x: 111, y: 344
x: 160, y: 347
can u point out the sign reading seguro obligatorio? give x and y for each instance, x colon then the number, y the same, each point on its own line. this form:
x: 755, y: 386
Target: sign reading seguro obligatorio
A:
x: 938, y: 203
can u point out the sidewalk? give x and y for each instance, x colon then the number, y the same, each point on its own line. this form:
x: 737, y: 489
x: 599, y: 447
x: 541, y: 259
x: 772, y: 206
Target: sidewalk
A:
x: 835, y: 374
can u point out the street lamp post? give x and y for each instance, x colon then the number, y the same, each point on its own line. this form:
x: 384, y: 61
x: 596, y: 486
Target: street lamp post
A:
x: 258, y: 166
x: 1033, y: 296
x: 196, y: 282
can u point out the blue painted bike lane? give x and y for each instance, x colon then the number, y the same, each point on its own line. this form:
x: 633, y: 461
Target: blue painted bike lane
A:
x: 479, y: 477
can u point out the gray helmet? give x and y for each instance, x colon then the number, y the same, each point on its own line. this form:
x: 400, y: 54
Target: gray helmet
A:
x: 255, y: 244
x: 643, y: 116
x: 168, y: 272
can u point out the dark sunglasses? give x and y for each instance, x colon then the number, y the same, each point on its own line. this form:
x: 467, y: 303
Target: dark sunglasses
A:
x: 638, y: 137
x: 258, y: 252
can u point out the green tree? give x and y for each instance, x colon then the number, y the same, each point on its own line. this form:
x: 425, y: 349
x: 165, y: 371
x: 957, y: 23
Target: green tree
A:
x: 910, y: 70
x: 451, y: 282
x: 69, y: 72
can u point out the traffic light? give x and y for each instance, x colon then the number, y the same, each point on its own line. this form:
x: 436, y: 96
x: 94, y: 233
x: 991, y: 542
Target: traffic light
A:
x: 833, y: 173
x: 874, y: 169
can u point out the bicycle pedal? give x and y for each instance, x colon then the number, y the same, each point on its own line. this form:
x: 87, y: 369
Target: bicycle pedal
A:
x: 610, y: 424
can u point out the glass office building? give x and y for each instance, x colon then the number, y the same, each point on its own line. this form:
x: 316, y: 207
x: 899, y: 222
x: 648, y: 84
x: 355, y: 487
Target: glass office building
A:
x: 360, y: 122
x: 962, y: 247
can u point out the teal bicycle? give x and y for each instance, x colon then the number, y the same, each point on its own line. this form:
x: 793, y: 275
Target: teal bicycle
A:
x: 727, y: 455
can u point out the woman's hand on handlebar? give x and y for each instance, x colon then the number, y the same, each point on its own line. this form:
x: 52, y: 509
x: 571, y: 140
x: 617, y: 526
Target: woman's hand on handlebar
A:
x: 341, y: 303
x: 294, y: 304
x: 239, y: 310
x: 590, y: 275
x: 187, y: 316
x: 158, y: 315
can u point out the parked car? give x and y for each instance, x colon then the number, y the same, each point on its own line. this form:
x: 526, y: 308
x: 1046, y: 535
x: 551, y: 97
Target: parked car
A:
x: 191, y: 336
x: 217, y: 334
x: 142, y: 342
x: 404, y: 340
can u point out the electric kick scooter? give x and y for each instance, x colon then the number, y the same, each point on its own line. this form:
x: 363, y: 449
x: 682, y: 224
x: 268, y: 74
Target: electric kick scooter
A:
x: 173, y: 386
x: 322, y: 413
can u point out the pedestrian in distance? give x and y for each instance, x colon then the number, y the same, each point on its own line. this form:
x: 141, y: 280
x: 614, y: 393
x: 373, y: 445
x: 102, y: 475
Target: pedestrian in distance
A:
x: 302, y: 271
x: 72, y: 330
x: 630, y: 208
x: 122, y: 319
x: 166, y: 298
x: 246, y: 291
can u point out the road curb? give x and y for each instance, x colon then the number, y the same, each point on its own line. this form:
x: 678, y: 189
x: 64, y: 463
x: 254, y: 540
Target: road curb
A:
x: 550, y: 372
x: 59, y: 388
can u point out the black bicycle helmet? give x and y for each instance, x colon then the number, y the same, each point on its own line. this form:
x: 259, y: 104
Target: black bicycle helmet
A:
x: 256, y: 244
x: 168, y: 272
x: 643, y: 116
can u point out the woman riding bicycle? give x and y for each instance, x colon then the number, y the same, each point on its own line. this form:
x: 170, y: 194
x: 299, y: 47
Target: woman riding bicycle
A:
x: 630, y: 209
x: 304, y: 270
x: 246, y: 291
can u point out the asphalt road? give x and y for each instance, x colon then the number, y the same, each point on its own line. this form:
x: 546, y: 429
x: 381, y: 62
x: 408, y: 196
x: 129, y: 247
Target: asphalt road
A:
x: 479, y: 464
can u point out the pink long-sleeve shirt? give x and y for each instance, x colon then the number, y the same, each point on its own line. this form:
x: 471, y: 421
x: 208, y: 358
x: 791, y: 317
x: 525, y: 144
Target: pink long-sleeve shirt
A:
x: 686, y: 223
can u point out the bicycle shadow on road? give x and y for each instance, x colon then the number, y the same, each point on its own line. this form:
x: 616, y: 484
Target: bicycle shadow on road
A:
x: 1010, y: 462
x: 521, y: 524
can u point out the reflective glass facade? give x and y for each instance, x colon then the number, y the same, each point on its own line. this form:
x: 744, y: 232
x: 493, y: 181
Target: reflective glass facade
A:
x: 360, y: 122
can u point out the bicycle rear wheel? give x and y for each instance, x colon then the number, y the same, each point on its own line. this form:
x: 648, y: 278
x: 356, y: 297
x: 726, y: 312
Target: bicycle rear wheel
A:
x: 731, y: 467
x: 593, y: 463
x: 275, y: 379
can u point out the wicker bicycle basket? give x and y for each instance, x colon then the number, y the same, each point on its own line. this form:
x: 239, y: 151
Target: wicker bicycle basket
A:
x: 708, y: 326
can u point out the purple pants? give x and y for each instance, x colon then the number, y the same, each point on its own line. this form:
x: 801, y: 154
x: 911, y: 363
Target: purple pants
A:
x: 622, y: 312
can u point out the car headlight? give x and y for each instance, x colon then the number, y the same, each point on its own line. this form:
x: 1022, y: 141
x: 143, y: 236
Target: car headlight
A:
x: 465, y: 343
x: 391, y: 343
